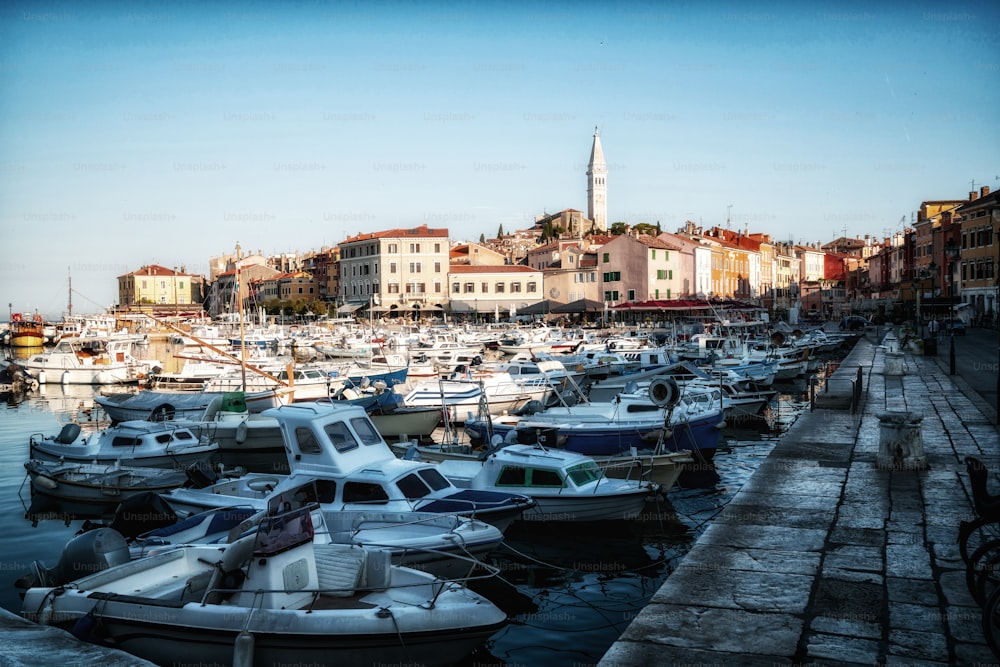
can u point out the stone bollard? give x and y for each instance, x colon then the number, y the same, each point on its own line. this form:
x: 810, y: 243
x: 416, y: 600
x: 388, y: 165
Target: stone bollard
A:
x: 893, y: 363
x: 900, y: 445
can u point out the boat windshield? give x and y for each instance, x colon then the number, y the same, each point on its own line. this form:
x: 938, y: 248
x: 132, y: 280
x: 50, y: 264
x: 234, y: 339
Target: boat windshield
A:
x: 283, y: 532
x: 584, y: 473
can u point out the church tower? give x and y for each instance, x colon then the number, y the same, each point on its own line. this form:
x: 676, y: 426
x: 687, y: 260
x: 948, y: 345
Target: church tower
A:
x: 597, y: 186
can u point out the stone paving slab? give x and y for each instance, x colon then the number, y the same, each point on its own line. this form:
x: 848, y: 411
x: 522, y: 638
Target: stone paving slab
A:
x: 822, y: 558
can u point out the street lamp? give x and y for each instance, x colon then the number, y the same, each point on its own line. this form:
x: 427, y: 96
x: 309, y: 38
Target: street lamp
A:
x: 951, y: 251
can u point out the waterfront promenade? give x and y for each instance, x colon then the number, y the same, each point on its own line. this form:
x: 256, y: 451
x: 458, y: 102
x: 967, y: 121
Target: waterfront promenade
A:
x: 822, y: 558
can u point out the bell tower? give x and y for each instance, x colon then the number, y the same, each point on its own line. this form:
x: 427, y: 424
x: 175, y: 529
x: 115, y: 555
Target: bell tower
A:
x: 597, y: 186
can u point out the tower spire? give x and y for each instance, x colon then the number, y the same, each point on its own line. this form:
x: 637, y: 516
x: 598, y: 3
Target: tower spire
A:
x: 597, y: 186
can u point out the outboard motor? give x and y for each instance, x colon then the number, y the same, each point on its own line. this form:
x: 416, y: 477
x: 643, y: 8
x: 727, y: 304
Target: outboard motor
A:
x: 142, y: 513
x: 87, y: 553
x: 530, y: 408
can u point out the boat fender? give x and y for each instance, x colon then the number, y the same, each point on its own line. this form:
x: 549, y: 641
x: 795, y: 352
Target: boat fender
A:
x: 663, y: 392
x: 243, y: 649
x: 41, y: 377
x: 612, y: 345
x: 262, y: 484
x: 241, y: 433
x: 87, y: 629
x: 47, y: 482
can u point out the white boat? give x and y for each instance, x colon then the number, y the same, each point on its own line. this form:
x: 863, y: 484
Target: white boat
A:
x: 464, y: 392
x: 565, y: 486
x: 131, y: 443
x: 431, y: 541
x: 273, y: 597
x: 90, y: 360
x: 662, y: 468
x: 102, y: 483
x: 339, y: 445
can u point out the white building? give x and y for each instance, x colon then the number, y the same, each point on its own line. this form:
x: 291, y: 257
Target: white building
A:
x: 406, y: 269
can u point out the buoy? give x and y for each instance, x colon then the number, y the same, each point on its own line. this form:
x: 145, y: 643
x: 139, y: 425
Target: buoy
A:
x: 41, y: 377
x: 241, y: 433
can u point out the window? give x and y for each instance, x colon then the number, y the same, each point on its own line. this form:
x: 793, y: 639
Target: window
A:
x: 532, y: 287
x: 437, y: 286
x: 437, y: 267
x: 470, y: 287
x: 661, y: 274
x: 437, y: 247
x: 631, y: 295
x: 612, y: 276
x: 434, y: 479
x: 393, y: 248
x: 365, y: 429
x: 414, y: 247
x: 392, y: 288
x: 306, y: 441
x: 512, y: 476
x: 607, y: 257
x: 412, y: 487
x: 341, y: 437
x: 611, y: 295
x: 515, y: 287
x: 415, y: 267
x: 392, y: 267
x: 364, y: 492
x: 456, y: 288
x: 548, y: 478
x: 499, y: 288
x: 485, y: 288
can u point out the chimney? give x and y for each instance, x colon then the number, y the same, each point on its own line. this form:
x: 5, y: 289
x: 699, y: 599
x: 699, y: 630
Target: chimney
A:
x: 973, y: 195
x: 983, y: 191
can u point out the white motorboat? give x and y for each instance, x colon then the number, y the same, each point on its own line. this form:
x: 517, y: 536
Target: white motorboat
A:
x: 465, y: 391
x: 101, y: 483
x: 662, y: 468
x: 565, y: 486
x: 441, y: 544
x: 131, y: 443
x: 339, y: 445
x: 91, y: 360
x: 272, y: 597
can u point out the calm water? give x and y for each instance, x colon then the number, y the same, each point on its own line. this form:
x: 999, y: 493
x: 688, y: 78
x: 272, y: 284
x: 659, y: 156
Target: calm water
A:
x: 569, y: 591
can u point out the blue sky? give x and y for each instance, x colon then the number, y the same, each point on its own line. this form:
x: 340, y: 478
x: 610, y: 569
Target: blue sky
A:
x: 134, y: 133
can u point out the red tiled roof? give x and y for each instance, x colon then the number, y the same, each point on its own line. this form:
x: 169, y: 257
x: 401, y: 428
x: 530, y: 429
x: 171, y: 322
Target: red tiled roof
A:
x: 423, y: 231
x: 500, y: 268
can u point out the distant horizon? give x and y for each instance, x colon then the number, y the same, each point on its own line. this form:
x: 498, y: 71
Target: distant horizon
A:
x: 166, y: 134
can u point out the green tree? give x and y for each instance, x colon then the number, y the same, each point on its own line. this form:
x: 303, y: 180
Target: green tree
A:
x: 617, y: 228
x: 482, y: 239
x: 500, y: 231
x: 646, y: 228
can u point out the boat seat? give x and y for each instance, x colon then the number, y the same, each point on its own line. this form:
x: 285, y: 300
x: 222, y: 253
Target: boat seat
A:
x: 378, y: 573
x: 229, y: 575
x: 68, y: 434
x: 339, y: 568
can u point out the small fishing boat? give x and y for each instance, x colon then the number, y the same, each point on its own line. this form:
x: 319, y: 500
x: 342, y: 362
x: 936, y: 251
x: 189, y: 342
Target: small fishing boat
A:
x: 132, y: 443
x: 565, y: 486
x: 99, y: 482
x: 275, y: 596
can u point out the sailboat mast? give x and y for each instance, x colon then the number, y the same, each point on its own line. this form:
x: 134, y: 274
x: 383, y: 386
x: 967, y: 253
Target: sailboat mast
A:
x: 239, y: 297
x: 69, y: 306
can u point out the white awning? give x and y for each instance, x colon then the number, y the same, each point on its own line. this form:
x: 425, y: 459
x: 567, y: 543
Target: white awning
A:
x: 349, y: 307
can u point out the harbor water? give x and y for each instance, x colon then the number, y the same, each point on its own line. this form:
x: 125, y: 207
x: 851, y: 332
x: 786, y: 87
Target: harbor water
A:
x: 569, y: 591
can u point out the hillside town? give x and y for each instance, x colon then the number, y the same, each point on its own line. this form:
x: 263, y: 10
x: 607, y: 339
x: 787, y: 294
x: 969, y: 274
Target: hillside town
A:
x: 941, y: 264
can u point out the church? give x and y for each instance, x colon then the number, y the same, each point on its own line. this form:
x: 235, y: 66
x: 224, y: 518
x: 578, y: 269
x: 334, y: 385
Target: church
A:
x: 571, y: 221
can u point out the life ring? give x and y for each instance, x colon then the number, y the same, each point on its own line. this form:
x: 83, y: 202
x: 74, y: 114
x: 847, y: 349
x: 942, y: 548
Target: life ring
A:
x: 663, y: 392
x: 262, y: 484
x: 162, y: 413
x: 16, y: 317
x: 38, y: 318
